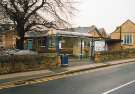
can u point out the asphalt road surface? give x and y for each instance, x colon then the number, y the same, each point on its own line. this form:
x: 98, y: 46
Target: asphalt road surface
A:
x: 111, y: 80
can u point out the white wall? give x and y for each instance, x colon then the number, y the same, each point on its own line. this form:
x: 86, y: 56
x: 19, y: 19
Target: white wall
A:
x: 100, y: 46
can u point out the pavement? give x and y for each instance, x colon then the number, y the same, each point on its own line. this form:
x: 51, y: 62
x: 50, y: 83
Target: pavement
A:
x: 63, y: 70
x: 118, y: 79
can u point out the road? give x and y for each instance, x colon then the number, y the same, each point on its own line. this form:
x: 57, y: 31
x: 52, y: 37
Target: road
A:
x: 111, y: 80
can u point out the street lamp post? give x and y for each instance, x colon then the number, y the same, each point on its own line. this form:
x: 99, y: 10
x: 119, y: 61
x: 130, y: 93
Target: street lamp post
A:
x: 57, y: 43
x: 81, y: 50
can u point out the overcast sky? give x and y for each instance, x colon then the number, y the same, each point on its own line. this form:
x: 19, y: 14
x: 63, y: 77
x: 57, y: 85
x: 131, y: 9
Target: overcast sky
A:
x: 104, y: 13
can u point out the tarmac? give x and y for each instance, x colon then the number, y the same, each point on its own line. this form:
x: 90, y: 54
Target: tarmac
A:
x: 63, y: 70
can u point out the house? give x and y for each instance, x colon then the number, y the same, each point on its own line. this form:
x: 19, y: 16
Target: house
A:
x: 59, y: 41
x: 124, y: 36
x: 98, y: 40
x: 93, y: 30
x: 7, y: 36
x: 76, y: 42
x: 98, y: 33
x: 7, y: 31
x: 99, y: 37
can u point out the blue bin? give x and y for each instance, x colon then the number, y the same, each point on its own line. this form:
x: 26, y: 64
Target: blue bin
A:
x: 64, y: 60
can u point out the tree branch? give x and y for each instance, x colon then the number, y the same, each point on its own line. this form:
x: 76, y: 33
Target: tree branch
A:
x: 9, y: 12
x: 35, y: 10
x: 13, y: 3
x: 45, y: 24
x: 33, y: 4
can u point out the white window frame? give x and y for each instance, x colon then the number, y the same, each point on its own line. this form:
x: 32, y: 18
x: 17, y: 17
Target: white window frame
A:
x: 128, y: 39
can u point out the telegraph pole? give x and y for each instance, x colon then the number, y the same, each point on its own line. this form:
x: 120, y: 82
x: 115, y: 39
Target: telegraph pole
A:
x: 120, y: 36
x: 92, y: 49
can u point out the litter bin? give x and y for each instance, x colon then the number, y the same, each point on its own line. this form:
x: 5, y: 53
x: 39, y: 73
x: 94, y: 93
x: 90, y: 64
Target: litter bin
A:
x: 64, y: 60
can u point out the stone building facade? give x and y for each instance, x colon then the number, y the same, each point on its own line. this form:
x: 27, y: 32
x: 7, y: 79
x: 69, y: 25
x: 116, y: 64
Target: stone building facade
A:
x: 125, y: 33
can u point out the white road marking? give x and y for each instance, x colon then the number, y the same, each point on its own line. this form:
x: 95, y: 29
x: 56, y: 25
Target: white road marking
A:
x: 119, y: 87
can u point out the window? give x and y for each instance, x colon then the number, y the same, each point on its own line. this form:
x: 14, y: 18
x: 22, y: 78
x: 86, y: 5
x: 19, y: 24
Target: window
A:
x: 42, y: 42
x: 128, y: 39
x: 60, y: 44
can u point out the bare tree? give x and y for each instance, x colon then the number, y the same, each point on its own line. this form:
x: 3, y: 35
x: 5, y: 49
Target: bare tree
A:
x: 29, y: 15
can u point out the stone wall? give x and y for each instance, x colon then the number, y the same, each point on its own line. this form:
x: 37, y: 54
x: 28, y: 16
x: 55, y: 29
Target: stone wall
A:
x: 11, y: 64
x: 114, y: 55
